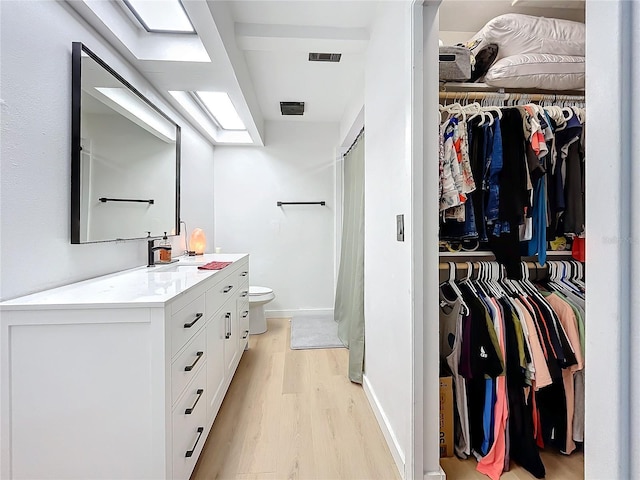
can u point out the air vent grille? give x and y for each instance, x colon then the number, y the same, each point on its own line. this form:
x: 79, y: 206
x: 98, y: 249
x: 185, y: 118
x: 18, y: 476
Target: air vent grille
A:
x: 325, y: 57
x: 292, y: 108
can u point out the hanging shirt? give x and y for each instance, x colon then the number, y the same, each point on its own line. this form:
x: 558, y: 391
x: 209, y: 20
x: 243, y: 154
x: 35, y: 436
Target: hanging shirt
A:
x: 522, y: 446
x: 450, y: 347
x: 567, y: 317
x: 542, y: 377
x: 449, y: 169
x: 492, y: 464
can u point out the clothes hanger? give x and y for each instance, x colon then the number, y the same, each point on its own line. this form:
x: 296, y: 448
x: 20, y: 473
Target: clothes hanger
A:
x: 467, y: 280
x: 452, y: 283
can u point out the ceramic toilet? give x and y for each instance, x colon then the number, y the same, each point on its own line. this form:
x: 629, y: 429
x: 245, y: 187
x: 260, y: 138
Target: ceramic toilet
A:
x: 258, y: 297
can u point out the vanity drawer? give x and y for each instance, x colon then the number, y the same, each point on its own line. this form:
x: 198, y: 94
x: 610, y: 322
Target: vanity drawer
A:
x: 243, y: 292
x: 188, y: 418
x: 187, y: 365
x: 220, y: 293
x: 243, y: 275
x: 243, y: 318
x: 186, y: 322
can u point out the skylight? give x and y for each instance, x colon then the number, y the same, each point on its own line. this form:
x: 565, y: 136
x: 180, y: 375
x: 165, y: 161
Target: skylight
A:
x: 195, y: 111
x: 220, y: 107
x: 161, y: 16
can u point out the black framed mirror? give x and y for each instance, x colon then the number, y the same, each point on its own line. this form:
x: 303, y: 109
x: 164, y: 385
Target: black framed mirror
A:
x: 125, y: 157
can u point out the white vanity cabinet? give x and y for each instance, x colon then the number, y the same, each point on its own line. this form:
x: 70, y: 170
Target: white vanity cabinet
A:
x: 120, y: 376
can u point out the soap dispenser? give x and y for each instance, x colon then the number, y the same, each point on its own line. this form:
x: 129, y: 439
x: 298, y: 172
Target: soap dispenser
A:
x: 165, y: 251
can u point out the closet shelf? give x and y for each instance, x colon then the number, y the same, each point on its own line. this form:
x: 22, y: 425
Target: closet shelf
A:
x: 461, y: 87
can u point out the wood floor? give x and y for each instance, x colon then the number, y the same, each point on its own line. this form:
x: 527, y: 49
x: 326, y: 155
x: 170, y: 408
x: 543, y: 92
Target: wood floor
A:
x: 293, y: 414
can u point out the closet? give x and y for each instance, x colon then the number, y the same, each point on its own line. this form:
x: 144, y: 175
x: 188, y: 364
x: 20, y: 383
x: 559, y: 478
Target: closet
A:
x: 511, y: 220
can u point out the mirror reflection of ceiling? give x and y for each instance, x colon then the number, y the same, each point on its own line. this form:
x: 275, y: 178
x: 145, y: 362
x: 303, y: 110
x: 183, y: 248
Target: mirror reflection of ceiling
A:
x: 117, y: 98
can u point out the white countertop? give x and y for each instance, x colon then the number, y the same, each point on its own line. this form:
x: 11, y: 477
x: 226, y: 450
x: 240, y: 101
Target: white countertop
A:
x: 138, y: 287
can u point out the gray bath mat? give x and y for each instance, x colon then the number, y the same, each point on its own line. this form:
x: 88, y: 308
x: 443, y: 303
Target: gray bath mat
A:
x: 314, y: 331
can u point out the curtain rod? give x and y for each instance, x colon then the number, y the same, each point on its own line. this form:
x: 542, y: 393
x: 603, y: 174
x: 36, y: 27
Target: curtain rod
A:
x: 358, y: 137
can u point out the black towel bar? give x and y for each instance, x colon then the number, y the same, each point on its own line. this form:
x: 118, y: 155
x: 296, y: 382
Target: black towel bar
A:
x: 301, y: 203
x: 104, y: 200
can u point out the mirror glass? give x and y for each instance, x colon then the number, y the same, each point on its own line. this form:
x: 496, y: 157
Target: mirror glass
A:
x: 125, y: 153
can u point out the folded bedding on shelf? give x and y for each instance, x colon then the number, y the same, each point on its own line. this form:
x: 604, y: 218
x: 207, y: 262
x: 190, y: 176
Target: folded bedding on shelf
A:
x: 518, y: 34
x: 538, y: 70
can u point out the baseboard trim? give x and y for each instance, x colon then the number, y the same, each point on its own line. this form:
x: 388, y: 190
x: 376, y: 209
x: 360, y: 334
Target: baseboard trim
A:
x: 298, y: 313
x: 387, y: 431
x: 441, y: 475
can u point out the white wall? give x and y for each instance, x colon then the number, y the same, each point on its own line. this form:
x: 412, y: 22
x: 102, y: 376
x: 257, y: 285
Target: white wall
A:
x: 291, y: 247
x: 35, y: 87
x: 387, y: 269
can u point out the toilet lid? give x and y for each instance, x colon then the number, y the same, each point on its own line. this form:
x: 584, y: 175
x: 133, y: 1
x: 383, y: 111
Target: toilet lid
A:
x: 259, y: 290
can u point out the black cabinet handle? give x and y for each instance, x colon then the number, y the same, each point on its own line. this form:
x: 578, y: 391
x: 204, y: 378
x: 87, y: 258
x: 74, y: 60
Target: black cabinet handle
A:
x: 244, y: 293
x: 227, y: 289
x: 188, y: 368
x: 244, y: 274
x: 245, y: 314
x: 246, y: 334
x: 227, y: 325
x: 188, y: 411
x: 190, y: 452
x: 191, y: 324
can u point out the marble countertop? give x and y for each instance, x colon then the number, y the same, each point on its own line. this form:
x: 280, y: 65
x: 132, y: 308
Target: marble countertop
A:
x: 138, y: 287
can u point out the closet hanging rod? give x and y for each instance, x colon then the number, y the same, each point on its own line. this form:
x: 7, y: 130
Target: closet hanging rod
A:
x: 532, y: 97
x: 323, y: 203
x: 461, y: 269
x: 105, y: 200
x: 488, y: 256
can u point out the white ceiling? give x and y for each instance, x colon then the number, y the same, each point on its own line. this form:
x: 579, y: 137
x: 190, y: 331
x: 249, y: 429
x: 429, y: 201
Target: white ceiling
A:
x: 277, y: 37
x: 259, y: 49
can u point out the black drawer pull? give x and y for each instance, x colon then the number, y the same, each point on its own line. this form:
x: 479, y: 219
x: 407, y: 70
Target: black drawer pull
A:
x: 188, y: 411
x: 188, y: 368
x: 246, y: 334
x: 244, y: 274
x: 191, y: 324
x: 244, y: 293
x: 227, y: 317
x: 190, y: 452
x: 227, y: 289
x: 245, y: 314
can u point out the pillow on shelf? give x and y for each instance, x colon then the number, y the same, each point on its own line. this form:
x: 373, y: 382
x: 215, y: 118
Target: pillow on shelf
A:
x: 538, y: 70
x: 515, y: 33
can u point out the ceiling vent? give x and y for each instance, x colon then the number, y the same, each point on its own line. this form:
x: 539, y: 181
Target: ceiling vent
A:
x: 292, y: 108
x: 325, y: 57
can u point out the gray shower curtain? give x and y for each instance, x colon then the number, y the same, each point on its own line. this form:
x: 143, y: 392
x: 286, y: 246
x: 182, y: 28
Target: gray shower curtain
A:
x: 349, y: 306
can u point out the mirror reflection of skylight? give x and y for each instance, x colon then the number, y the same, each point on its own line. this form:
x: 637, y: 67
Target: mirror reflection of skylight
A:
x: 143, y: 114
x: 220, y: 107
x: 161, y: 16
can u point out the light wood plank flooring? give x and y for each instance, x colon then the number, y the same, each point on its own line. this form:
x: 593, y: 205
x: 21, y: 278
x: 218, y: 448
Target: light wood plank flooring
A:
x: 294, y: 414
